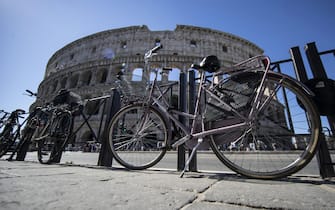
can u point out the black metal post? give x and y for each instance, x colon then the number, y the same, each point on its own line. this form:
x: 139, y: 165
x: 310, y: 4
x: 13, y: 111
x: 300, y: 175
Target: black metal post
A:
x: 315, y: 61
x: 298, y: 63
x: 191, y: 102
x: 318, y: 70
x: 113, y: 105
x: 326, y: 167
x: 58, y: 147
x: 182, y: 107
x: 24, y: 143
x: 22, y: 152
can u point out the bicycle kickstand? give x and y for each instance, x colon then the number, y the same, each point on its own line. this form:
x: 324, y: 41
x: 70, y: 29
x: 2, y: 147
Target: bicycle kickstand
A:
x: 190, y: 157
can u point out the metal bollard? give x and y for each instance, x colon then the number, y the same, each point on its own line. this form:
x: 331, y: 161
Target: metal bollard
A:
x: 324, y: 159
x: 113, y: 105
x: 191, y: 96
x: 182, y: 108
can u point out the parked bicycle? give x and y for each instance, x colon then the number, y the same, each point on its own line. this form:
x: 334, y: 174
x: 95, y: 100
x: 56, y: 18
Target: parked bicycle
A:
x: 11, y: 131
x: 23, y: 137
x: 259, y: 123
x: 55, y: 124
x: 3, y: 118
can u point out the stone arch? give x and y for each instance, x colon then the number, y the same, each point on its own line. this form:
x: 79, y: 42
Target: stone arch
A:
x: 137, y: 74
x: 87, y: 136
x: 86, y: 78
x: 101, y: 76
x: 74, y: 81
x: 173, y: 75
x: 63, y: 83
x: 54, y: 86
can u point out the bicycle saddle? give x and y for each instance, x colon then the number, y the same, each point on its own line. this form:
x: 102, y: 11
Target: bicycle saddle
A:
x: 210, y: 63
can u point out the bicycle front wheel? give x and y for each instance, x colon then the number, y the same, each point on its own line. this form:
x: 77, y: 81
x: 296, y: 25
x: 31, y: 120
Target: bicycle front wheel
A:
x: 6, y: 140
x: 281, y: 132
x: 53, y: 138
x: 138, y: 136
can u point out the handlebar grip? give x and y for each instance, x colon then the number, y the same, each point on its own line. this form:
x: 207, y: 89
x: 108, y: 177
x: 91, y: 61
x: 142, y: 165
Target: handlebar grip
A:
x: 195, y: 66
x: 31, y: 93
x: 155, y: 49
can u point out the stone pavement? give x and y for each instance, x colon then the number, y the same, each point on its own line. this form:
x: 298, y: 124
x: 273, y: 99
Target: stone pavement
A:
x: 30, y: 185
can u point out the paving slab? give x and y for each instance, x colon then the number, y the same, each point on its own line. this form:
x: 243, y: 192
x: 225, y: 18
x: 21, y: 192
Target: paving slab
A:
x: 30, y: 185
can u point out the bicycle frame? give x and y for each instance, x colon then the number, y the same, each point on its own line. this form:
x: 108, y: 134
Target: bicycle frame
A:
x: 15, y: 133
x: 204, y: 87
x: 240, y: 112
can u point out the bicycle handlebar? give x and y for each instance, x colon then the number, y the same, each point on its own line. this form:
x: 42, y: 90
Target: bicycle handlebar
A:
x: 31, y: 93
x: 152, y: 52
x: 155, y: 49
x: 3, y: 111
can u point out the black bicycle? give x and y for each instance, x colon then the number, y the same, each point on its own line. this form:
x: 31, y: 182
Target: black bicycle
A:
x: 11, y: 131
x: 55, y: 124
x: 3, y: 118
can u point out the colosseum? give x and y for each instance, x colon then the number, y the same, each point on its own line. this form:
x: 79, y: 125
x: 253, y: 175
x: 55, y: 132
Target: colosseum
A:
x: 88, y: 66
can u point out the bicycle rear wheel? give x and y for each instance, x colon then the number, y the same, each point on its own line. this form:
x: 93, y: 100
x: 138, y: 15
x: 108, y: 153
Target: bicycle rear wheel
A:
x: 138, y: 136
x: 282, y: 136
x: 53, y: 138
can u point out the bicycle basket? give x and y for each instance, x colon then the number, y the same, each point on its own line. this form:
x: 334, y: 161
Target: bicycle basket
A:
x: 253, y: 63
x: 66, y: 97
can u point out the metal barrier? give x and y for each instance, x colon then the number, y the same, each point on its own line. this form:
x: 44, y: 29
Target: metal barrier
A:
x: 183, y: 107
x: 113, y: 105
x: 324, y: 96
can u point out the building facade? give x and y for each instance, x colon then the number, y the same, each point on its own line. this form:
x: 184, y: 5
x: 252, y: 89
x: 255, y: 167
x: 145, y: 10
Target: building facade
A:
x: 89, y: 66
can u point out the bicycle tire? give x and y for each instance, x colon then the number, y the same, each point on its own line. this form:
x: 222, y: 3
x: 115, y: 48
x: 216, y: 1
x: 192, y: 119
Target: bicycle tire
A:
x: 6, y: 141
x: 54, y: 139
x: 273, y: 145
x: 25, y: 139
x: 138, y: 136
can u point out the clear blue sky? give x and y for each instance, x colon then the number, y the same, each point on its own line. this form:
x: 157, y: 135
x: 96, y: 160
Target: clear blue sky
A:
x: 32, y: 30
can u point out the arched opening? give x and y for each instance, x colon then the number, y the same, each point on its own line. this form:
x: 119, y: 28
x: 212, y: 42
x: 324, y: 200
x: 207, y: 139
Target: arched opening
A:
x: 137, y: 74
x: 174, y: 74
x: 63, y: 83
x: 89, y: 144
x: 86, y: 78
x: 54, y: 86
x: 87, y: 136
x: 102, y: 76
x: 74, y: 81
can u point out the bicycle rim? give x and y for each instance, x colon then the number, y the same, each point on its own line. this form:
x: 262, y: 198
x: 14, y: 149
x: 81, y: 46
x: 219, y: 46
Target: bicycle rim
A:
x: 138, y: 136
x: 7, y: 139
x: 5, y: 145
x: 54, y: 139
x: 282, y: 137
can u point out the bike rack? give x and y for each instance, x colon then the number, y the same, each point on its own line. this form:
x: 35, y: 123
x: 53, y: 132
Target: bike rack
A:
x: 323, y: 156
x: 324, y: 159
x: 183, y: 108
x: 113, y: 105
